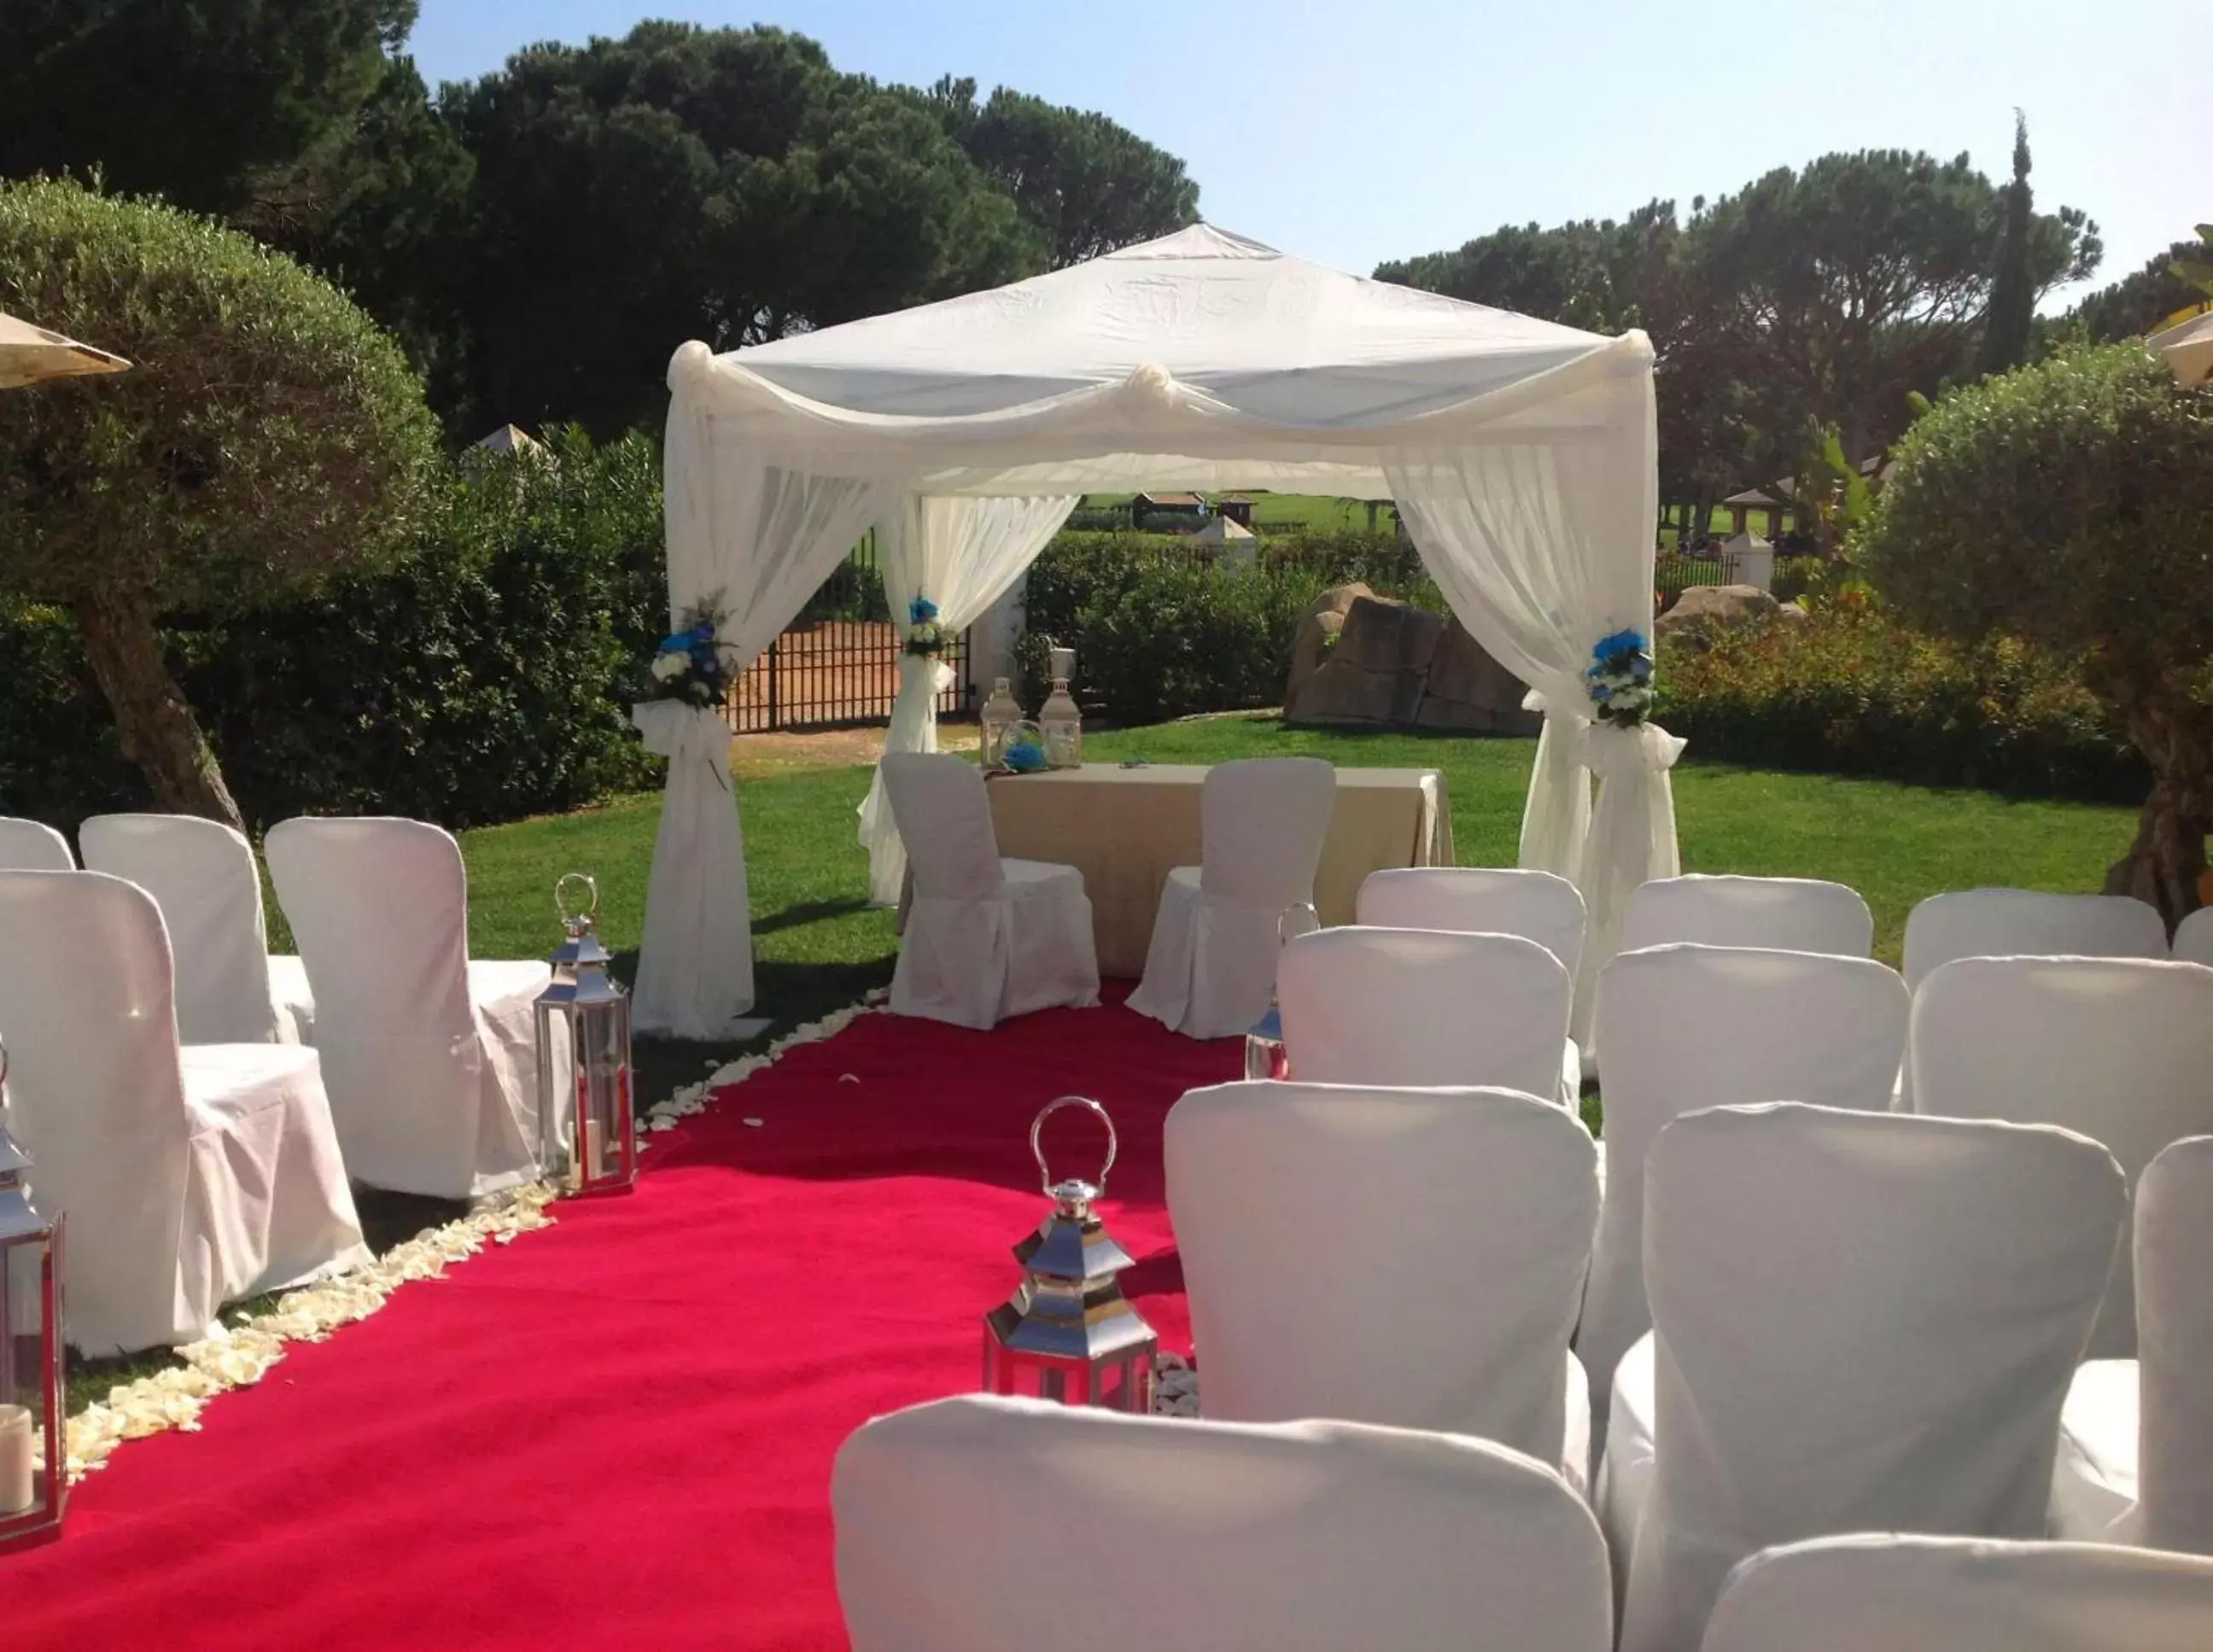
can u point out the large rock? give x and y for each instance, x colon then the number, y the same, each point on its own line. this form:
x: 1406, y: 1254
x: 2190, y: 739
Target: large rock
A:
x: 1703, y: 609
x: 1378, y: 670
x: 1470, y: 691
x: 1318, y: 627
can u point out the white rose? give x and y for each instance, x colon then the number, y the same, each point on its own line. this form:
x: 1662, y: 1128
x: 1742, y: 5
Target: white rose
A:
x: 668, y: 666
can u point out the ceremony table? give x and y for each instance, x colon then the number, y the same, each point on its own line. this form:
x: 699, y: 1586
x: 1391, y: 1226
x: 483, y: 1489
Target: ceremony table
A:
x: 1126, y: 829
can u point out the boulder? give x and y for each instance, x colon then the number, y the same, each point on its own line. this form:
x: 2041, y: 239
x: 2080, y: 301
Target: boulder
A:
x: 1377, y: 670
x: 1469, y: 692
x: 1703, y: 609
x: 1322, y: 622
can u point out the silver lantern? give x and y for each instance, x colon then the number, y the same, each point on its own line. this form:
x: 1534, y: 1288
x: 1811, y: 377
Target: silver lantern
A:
x: 1265, y: 1053
x: 1068, y: 1333
x: 34, y: 1462
x: 586, y: 1140
x: 1058, y: 718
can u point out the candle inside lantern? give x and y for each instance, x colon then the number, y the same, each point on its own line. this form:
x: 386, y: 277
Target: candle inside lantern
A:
x: 17, y: 1484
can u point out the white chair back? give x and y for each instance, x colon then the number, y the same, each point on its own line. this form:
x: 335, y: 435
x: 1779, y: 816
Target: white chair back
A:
x: 97, y: 1091
x: 1198, y: 1536
x: 1318, y: 1223
x: 1786, y: 914
x: 1423, y: 1006
x: 1262, y: 821
x: 945, y: 821
x: 202, y: 875
x: 1540, y: 906
x: 1863, y: 1322
x: 2193, y: 937
x: 1690, y: 1026
x: 2116, y: 1049
x: 380, y: 908
x: 33, y: 846
x: 2174, y: 1354
x: 2028, y: 922
x: 1953, y: 1595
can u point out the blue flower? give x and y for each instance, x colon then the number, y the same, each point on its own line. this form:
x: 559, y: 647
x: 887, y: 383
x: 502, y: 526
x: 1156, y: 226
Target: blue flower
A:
x: 1025, y: 758
x: 1621, y: 642
x: 922, y: 608
x: 676, y: 642
x: 702, y: 635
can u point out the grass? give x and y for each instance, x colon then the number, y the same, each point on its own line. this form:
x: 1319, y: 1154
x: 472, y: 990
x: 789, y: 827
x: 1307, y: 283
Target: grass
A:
x: 817, y: 945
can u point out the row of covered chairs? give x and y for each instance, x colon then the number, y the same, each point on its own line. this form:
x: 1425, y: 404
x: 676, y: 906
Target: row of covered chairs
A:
x: 199, y: 1109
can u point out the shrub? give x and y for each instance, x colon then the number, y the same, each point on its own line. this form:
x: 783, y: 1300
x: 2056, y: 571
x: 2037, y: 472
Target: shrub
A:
x: 1851, y: 690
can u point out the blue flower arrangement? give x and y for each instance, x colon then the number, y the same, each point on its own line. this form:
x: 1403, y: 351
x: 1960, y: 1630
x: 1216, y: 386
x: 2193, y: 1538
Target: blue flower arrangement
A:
x: 1620, y: 679
x: 924, y: 635
x: 688, y: 665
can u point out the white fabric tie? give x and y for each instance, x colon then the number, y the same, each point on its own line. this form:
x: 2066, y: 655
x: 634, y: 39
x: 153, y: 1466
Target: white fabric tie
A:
x: 701, y: 978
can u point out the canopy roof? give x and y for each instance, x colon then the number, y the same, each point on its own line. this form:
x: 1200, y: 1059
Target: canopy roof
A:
x: 1201, y: 347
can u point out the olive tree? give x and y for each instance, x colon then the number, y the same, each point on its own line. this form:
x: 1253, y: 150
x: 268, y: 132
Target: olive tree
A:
x: 2070, y: 504
x: 268, y: 438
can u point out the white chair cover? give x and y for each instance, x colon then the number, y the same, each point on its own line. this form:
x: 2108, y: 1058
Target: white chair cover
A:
x: 2136, y: 1441
x: 1861, y: 1322
x: 985, y: 938
x: 1878, y: 1594
x: 2193, y: 937
x: 1786, y: 914
x: 1190, y: 1536
x: 1692, y: 1027
x: 189, y: 1178
x: 1425, y: 1007
x: 1211, y: 965
x: 33, y: 846
x: 2028, y: 922
x: 2117, y: 1049
x: 1540, y: 906
x: 431, y: 1060
x: 202, y: 875
x: 1407, y: 1257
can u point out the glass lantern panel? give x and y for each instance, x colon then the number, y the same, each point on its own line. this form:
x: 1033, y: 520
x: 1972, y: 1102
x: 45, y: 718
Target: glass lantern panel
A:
x: 23, y: 1369
x: 603, y: 1101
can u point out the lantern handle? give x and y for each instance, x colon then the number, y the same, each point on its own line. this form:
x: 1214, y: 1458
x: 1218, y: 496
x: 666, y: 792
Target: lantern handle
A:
x: 1037, y: 1147
x: 575, y: 913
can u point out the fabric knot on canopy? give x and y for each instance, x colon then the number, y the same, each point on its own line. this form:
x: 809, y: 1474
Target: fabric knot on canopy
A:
x: 1522, y: 456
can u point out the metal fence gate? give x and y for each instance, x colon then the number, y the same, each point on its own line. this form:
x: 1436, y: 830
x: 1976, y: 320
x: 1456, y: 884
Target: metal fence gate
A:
x: 836, y: 665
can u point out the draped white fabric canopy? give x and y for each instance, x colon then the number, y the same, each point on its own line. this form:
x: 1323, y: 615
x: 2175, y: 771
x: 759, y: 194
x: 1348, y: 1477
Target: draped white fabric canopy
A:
x: 1522, y: 455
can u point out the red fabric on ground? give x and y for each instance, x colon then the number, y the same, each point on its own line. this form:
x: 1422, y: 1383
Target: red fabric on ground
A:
x: 619, y: 1431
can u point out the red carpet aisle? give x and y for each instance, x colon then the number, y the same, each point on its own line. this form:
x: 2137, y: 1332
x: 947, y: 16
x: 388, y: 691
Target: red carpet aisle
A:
x: 618, y: 1432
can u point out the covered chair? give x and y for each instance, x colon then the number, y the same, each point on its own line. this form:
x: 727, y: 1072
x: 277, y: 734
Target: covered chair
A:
x: 1694, y: 1026
x: 33, y: 846
x: 2117, y: 1049
x: 2193, y: 937
x: 1320, y: 1224
x: 430, y: 1059
x: 1861, y: 1322
x: 190, y: 1177
x: 201, y: 873
x: 2028, y: 922
x: 1782, y: 914
x: 1540, y: 907
x: 1427, y: 1007
x: 1211, y: 965
x: 986, y: 937
x: 1297, y: 1537
x: 1953, y: 1594
x: 2136, y: 1441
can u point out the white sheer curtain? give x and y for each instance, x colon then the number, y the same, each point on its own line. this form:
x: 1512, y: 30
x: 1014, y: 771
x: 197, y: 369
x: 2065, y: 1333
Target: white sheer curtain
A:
x: 1542, y: 542
x: 695, y: 967
x: 962, y: 554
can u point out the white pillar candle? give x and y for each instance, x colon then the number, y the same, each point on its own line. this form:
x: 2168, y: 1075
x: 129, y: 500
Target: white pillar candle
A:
x: 16, y: 1484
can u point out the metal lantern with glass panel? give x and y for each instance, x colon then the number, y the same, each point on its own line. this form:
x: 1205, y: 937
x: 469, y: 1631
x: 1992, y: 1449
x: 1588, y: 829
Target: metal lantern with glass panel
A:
x: 1265, y: 1054
x: 587, y: 1138
x: 1068, y: 1333
x: 34, y: 1462
x: 1058, y: 718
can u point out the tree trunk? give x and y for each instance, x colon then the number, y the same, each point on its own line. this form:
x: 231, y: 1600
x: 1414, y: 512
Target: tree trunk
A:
x: 159, y: 732
x: 2168, y: 860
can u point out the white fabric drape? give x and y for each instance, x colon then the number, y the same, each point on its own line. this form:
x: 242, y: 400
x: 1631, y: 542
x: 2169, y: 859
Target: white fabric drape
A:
x: 1556, y: 818
x: 962, y: 554
x: 755, y: 540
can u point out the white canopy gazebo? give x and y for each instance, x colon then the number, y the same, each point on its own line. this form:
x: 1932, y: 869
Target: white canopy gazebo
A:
x: 1522, y: 457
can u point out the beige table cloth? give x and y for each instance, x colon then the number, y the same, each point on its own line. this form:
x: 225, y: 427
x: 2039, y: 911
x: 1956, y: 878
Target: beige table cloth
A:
x: 1126, y: 829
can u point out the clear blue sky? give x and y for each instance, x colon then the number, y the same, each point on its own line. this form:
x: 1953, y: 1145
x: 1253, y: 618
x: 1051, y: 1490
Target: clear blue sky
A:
x: 1361, y: 130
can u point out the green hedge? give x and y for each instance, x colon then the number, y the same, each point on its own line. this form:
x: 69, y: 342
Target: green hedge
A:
x: 1162, y: 631
x: 479, y: 681
x: 1849, y: 691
